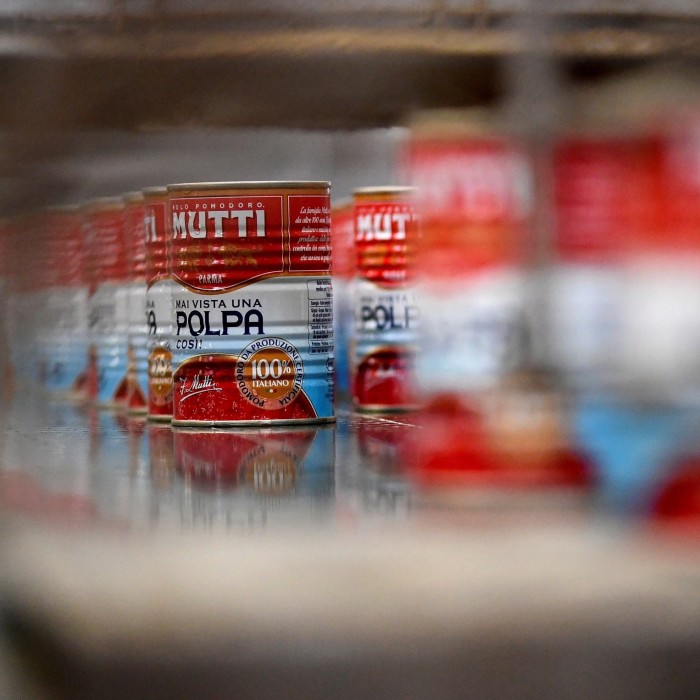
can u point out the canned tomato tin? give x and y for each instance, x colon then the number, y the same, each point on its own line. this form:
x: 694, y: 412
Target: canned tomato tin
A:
x: 343, y: 269
x: 386, y: 303
x: 64, y: 337
x: 252, y: 305
x: 158, y: 302
x: 108, y: 301
x: 135, y: 235
x: 473, y: 191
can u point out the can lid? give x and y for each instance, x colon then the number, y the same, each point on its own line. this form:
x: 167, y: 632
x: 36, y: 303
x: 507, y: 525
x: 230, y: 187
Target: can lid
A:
x: 135, y: 197
x: 251, y: 185
x: 101, y: 203
x: 457, y: 123
x: 385, y: 189
x: 159, y: 191
x: 344, y: 203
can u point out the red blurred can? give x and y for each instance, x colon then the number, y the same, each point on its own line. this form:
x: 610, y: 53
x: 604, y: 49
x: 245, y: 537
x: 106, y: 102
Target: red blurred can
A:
x: 387, y: 312
x: 108, y: 303
x: 252, y: 336
x: 343, y: 234
x: 135, y: 235
x: 63, y: 329
x: 600, y: 188
x: 158, y: 306
x: 660, y: 300
x: 473, y: 192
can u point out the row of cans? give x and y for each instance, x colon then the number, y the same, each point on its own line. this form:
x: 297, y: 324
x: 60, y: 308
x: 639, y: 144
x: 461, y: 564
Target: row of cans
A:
x: 581, y: 258
x: 208, y: 303
x: 213, y: 303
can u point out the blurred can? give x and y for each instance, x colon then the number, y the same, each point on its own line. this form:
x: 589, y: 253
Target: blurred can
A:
x: 660, y: 310
x: 252, y: 312
x: 627, y: 274
x: 387, y: 312
x: 108, y: 303
x: 474, y: 197
x: 598, y: 183
x: 64, y: 332
x: 158, y: 302
x: 343, y: 235
x: 135, y: 235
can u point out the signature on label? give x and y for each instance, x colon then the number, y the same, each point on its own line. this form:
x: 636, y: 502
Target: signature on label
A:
x: 199, y: 384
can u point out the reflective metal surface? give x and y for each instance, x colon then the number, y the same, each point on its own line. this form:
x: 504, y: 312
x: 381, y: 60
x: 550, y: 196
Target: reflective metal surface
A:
x: 69, y: 464
x: 64, y: 464
x: 143, y: 561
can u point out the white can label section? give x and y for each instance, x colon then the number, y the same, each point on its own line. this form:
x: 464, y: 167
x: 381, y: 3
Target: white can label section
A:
x: 473, y: 333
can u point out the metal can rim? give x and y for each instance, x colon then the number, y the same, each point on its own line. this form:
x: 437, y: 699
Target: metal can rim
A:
x: 384, y: 189
x: 249, y: 185
x: 158, y: 191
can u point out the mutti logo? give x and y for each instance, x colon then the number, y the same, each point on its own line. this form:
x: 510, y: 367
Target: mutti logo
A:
x: 218, y: 218
x: 482, y: 186
x: 149, y: 222
x: 383, y: 222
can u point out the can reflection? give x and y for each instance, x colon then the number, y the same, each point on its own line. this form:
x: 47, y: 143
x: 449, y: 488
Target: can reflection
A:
x: 162, y: 456
x: 35, y: 437
x: 370, y: 472
x: 382, y: 444
x: 119, y: 451
x: 253, y: 472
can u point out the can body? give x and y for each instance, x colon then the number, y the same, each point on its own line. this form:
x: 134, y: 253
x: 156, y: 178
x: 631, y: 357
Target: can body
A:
x: 158, y: 308
x: 386, y: 306
x: 65, y: 338
x: 660, y: 301
x: 343, y: 270
x: 594, y: 179
x: 252, y: 314
x: 473, y: 198
x: 108, y: 303
x: 137, y: 329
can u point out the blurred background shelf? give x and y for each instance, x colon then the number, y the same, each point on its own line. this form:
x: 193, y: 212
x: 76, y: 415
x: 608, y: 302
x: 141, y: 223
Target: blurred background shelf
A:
x: 174, y: 86
x: 136, y: 65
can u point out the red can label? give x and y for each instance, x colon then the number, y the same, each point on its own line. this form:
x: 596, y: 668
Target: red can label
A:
x: 158, y: 309
x: 226, y: 242
x: 108, y: 303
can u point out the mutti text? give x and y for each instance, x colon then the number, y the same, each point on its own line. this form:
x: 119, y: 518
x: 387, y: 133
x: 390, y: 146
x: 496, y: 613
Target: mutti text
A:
x: 217, y: 223
x: 383, y: 225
